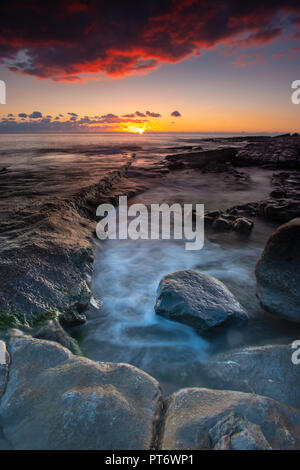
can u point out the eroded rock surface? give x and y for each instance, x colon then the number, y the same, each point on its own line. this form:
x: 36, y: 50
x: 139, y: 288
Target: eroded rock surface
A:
x: 46, y: 252
x: 264, y: 370
x: 274, y: 152
x: 200, y: 159
x: 55, y: 400
x: 199, y: 418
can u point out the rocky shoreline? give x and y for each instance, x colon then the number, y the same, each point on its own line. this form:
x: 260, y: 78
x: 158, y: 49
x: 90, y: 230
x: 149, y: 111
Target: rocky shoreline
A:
x: 77, y: 403
x: 46, y: 269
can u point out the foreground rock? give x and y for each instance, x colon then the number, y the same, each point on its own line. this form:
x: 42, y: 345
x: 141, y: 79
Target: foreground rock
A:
x: 55, y: 400
x: 201, y: 158
x: 265, y: 370
x: 197, y: 300
x: 278, y: 272
x: 199, y: 418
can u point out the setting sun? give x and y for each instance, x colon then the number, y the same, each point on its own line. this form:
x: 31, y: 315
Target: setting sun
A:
x: 136, y: 129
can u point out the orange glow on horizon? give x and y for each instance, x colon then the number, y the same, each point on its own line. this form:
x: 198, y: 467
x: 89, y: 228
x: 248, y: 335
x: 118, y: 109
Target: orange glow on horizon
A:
x: 136, y: 128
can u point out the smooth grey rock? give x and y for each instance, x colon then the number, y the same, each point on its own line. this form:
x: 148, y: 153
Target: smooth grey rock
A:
x: 197, y: 300
x: 265, y: 370
x: 199, y: 418
x: 55, y: 400
x: 278, y: 272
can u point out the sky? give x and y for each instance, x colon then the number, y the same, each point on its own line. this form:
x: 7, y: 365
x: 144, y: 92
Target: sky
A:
x: 149, y: 65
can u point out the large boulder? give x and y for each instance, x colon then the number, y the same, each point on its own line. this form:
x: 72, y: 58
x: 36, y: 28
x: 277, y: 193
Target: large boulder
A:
x: 278, y: 272
x: 55, y: 400
x: 197, y: 300
x: 199, y: 418
x: 265, y: 370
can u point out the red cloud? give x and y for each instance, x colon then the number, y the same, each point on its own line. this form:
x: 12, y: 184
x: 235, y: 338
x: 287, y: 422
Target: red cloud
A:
x: 252, y: 58
x: 64, y: 40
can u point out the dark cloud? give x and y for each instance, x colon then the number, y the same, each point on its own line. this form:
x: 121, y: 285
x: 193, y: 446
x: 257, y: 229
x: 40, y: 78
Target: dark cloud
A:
x: 106, y: 122
x: 35, y: 115
x: 109, y: 116
x: 63, y: 40
x: 154, y: 115
x: 137, y: 113
x: 176, y: 114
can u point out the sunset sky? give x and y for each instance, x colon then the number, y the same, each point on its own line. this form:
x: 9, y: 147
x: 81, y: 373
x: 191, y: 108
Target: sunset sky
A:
x: 93, y: 65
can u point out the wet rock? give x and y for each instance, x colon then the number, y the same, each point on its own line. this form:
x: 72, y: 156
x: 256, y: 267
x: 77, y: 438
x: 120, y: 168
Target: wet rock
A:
x: 47, y: 251
x: 230, y: 220
x: 221, y: 224
x: 197, y: 300
x: 264, y: 370
x: 200, y: 419
x: 176, y: 165
x: 72, y: 318
x: 249, y: 209
x: 213, y: 214
x: 278, y: 272
x: 278, y: 194
x: 243, y: 225
x: 275, y: 152
x: 53, y: 331
x: 279, y: 210
x: 200, y: 159
x: 55, y: 400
